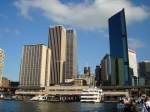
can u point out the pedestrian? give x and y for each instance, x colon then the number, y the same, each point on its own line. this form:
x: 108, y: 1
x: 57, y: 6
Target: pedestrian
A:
x: 145, y: 103
x: 130, y: 106
x: 120, y: 106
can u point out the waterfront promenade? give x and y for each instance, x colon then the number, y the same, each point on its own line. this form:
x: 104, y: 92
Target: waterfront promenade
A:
x: 65, y: 90
x: 77, y: 90
x: 68, y: 92
x: 109, y: 91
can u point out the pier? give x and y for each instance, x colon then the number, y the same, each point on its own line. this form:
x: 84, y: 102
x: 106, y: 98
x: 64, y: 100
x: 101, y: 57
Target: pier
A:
x: 69, y: 93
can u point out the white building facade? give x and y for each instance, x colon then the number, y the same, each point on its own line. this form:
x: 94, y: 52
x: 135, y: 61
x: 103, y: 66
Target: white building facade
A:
x: 57, y: 44
x: 35, y: 67
x: 133, y: 66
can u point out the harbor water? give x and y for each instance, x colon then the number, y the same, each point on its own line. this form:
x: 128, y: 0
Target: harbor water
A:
x: 31, y: 106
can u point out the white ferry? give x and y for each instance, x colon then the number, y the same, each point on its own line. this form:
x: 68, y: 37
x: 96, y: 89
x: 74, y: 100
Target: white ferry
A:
x: 92, y: 95
x: 39, y: 98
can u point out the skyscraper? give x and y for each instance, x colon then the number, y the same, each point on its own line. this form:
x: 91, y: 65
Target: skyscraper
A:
x: 1, y: 65
x: 35, y: 67
x: 105, y: 67
x: 71, y: 58
x: 57, y: 44
x: 87, y: 71
x: 105, y: 70
x: 133, y: 61
x: 133, y: 70
x: 98, y: 75
x: 119, y: 45
x: 117, y: 71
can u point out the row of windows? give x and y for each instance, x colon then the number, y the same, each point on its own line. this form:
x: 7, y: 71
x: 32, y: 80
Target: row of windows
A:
x: 89, y: 98
x: 65, y: 89
x: 55, y: 43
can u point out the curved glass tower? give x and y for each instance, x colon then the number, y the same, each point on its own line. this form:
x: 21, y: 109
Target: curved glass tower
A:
x: 119, y: 49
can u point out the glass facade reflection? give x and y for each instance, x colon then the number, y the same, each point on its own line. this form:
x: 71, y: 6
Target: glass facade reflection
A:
x: 118, y: 44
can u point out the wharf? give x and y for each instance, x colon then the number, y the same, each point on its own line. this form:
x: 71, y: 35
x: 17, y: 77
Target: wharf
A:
x: 68, y: 93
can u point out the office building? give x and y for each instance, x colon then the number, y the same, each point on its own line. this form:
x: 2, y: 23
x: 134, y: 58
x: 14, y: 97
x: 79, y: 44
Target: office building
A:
x: 144, y: 68
x: 133, y: 62
x: 133, y: 70
x: 87, y: 71
x: 71, y: 58
x: 98, y: 75
x: 80, y: 82
x: 106, y: 70
x: 1, y: 65
x: 91, y: 80
x: 5, y: 82
x: 144, y: 71
x: 57, y: 44
x: 119, y: 47
x: 35, y: 67
x: 117, y: 71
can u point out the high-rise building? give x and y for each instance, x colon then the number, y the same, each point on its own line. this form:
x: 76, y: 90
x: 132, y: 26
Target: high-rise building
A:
x: 105, y: 67
x: 133, y: 70
x: 98, y: 75
x: 144, y: 71
x: 71, y: 58
x: 117, y: 71
x: 1, y: 65
x: 118, y: 44
x: 133, y: 62
x: 35, y: 67
x: 87, y: 71
x: 57, y: 44
x: 106, y: 70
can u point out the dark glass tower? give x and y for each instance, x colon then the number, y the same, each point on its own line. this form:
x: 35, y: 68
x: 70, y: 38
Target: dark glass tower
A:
x: 119, y: 46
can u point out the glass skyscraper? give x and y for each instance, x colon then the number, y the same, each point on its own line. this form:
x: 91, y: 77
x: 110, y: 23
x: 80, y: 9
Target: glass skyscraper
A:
x: 119, y: 45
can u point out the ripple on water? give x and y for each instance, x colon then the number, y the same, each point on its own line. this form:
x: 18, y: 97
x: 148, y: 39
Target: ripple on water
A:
x: 28, y: 106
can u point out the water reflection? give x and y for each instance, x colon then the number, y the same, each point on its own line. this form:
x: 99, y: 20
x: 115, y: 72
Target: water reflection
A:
x: 18, y: 106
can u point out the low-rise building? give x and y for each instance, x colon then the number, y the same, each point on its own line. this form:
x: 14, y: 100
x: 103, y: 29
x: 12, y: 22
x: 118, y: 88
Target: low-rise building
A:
x: 5, y: 83
x: 80, y: 82
x: 144, y: 71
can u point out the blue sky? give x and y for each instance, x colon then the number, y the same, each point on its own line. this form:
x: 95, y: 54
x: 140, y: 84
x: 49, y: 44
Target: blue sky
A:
x: 26, y: 22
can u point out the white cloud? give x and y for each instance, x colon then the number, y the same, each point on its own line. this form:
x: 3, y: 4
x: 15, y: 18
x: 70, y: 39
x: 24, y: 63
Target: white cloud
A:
x: 9, y: 30
x: 135, y: 43
x: 86, y: 14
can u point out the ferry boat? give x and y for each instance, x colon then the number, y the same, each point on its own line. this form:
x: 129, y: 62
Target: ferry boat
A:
x: 92, y: 95
x: 39, y: 98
